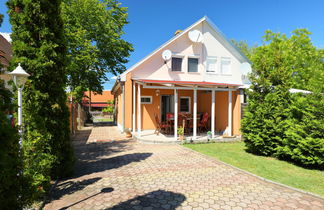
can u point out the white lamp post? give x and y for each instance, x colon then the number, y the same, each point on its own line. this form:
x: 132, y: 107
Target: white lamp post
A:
x: 19, y: 77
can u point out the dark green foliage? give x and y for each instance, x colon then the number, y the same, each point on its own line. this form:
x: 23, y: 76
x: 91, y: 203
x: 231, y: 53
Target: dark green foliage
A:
x: 38, y: 44
x: 264, y: 124
x: 304, y: 137
x: 10, y: 159
x: 277, y: 122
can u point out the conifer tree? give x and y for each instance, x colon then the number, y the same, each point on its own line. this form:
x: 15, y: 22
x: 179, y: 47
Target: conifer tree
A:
x: 38, y: 44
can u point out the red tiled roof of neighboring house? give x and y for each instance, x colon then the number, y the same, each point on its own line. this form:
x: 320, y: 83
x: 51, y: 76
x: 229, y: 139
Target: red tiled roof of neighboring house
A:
x: 98, y: 98
x: 186, y: 82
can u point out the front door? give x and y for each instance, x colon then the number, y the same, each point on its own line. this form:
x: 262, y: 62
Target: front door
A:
x: 167, y: 105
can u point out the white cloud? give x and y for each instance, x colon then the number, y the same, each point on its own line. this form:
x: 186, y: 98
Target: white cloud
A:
x: 6, y: 36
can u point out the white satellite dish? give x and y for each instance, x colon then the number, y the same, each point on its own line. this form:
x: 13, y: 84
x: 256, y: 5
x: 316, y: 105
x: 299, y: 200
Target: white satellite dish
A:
x: 166, y: 55
x: 195, y: 36
x: 245, y: 70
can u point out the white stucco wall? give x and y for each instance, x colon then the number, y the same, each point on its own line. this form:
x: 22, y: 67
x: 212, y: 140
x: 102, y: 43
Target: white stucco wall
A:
x: 155, y: 69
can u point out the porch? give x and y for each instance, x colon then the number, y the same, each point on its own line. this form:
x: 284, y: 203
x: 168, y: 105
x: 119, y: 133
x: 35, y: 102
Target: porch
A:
x: 149, y: 137
x: 151, y: 98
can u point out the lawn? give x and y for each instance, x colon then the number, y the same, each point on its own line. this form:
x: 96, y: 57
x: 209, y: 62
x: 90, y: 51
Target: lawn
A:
x: 267, y: 167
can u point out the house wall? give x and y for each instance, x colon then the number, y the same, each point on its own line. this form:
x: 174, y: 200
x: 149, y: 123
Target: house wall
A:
x: 203, y: 105
x: 154, y: 68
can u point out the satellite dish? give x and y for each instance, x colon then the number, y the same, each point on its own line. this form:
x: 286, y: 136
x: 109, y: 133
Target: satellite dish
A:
x: 166, y: 55
x: 195, y: 36
x: 245, y: 70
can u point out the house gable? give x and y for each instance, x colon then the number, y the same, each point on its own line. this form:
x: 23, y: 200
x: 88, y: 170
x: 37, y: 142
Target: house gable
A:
x: 214, y: 45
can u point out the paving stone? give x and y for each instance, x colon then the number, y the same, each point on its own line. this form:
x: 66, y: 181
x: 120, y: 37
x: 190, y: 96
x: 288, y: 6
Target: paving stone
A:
x: 119, y: 173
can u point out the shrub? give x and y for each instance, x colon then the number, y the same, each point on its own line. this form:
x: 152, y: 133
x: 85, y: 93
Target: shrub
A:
x: 10, y: 160
x: 264, y: 124
x: 108, y: 109
x: 304, y: 137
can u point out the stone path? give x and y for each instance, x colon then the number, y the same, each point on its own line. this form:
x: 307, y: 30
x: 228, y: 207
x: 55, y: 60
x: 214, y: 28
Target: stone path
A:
x: 123, y: 174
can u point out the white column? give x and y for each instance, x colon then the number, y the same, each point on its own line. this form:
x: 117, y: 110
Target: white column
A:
x: 230, y: 113
x: 123, y: 89
x: 134, y: 107
x: 195, y: 115
x: 213, y: 113
x: 139, y: 110
x: 175, y: 113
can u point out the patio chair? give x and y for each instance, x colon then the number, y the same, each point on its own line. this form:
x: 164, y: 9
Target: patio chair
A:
x: 170, y: 120
x: 161, y: 125
x: 203, y: 124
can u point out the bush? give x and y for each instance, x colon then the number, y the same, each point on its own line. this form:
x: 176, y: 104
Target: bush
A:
x: 264, y: 124
x: 304, y: 137
x: 10, y: 160
x: 108, y: 109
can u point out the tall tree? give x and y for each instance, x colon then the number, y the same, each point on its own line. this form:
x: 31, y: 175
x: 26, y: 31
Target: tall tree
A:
x: 38, y: 44
x: 93, y: 30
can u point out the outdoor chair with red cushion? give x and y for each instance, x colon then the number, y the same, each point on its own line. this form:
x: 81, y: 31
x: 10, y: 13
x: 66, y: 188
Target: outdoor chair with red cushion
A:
x: 170, y: 120
x: 203, y: 124
x: 161, y: 125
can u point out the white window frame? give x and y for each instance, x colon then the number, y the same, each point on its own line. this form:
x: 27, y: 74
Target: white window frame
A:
x: 150, y: 97
x: 193, y: 56
x: 185, y: 97
x: 229, y: 66
x: 215, y: 58
x: 178, y: 56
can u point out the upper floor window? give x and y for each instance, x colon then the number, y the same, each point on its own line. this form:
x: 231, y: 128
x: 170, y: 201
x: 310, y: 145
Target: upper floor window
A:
x: 211, y: 65
x: 176, y: 64
x: 192, y: 64
x: 226, y: 66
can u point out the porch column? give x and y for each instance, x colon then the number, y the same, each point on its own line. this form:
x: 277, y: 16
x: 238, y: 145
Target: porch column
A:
x: 229, y: 113
x: 175, y: 113
x: 139, y: 110
x: 213, y: 114
x: 134, y: 106
x: 195, y: 114
x: 123, y: 89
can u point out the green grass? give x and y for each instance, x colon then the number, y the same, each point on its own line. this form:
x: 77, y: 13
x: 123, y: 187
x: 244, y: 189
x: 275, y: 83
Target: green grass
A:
x: 104, y: 120
x: 267, y: 167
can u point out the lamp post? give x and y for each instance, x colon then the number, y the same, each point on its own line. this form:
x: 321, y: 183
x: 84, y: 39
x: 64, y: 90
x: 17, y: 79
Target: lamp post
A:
x: 19, y: 77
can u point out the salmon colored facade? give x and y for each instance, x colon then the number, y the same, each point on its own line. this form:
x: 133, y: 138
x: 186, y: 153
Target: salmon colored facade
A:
x: 163, y: 89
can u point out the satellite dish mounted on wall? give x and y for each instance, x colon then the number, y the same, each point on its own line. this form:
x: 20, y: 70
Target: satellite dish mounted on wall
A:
x: 245, y: 70
x: 166, y: 55
x: 195, y: 36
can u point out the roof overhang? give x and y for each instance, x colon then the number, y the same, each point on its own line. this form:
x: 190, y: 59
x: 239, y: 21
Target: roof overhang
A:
x: 192, y: 84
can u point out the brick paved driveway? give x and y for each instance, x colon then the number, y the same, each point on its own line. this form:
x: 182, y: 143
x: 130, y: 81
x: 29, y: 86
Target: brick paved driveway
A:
x: 126, y: 175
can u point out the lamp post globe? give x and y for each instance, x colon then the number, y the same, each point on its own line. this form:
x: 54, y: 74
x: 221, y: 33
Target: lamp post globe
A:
x: 20, y: 77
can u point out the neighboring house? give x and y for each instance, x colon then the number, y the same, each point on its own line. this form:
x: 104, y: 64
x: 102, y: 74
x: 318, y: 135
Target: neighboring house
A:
x: 5, y: 57
x: 96, y: 100
x: 202, y: 74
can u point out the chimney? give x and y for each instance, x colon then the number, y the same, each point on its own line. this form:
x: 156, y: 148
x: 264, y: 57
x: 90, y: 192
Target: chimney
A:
x: 177, y: 32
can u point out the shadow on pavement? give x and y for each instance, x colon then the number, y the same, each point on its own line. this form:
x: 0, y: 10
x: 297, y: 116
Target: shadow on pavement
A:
x: 159, y: 199
x: 70, y: 187
x: 89, y: 166
x: 104, y: 190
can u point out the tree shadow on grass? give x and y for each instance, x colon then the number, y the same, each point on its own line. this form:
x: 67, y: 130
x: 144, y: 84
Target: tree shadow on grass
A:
x: 88, y: 166
x: 159, y: 199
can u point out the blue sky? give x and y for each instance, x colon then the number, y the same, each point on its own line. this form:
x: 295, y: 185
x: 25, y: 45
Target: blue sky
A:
x: 153, y: 22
